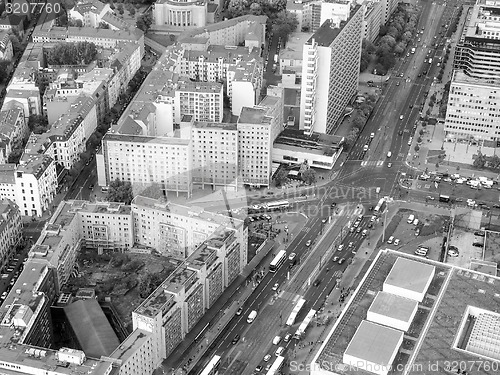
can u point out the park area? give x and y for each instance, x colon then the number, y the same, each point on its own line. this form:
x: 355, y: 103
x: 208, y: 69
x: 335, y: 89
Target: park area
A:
x: 126, y: 278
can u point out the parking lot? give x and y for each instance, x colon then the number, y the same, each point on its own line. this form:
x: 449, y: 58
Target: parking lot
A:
x: 431, y: 228
x: 464, y: 240
x: 11, y: 271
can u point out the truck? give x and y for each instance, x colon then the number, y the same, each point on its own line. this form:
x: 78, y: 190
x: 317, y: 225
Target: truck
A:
x: 413, y: 50
x: 251, y: 316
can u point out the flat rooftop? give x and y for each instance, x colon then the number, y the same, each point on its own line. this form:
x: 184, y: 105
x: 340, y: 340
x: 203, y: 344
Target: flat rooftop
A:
x: 461, y: 77
x: 327, y: 32
x: 316, y: 143
x: 393, y: 306
x: 435, y: 326
x: 410, y: 275
x: 374, y: 343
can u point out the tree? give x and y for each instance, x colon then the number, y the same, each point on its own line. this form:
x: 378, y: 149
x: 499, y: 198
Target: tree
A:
x: 103, y: 25
x: 309, y: 176
x: 120, y: 9
x: 16, y: 44
x: 351, y: 137
x: 130, y: 9
x: 480, y: 160
x: 365, y: 60
x: 132, y: 266
x: 120, y: 191
x: 368, y: 46
x: 358, y: 121
x: 256, y: 9
x: 284, y: 24
x: 281, y: 177
x: 153, y: 191
x: 144, y: 22
x: 4, y: 70
x: 417, y: 148
x: 494, y: 162
x: 38, y: 124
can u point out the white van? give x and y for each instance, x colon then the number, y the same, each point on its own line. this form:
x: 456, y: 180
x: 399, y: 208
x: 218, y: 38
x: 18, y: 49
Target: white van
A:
x: 410, y: 219
x: 251, y: 316
x: 389, y: 154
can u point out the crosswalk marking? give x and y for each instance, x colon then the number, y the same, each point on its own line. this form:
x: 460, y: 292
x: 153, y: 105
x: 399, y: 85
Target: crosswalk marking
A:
x: 377, y: 163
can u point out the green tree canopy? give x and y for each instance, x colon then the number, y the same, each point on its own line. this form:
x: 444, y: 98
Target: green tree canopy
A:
x: 309, y: 176
x: 144, y: 21
x: 284, y: 24
x: 80, y: 53
x: 120, y: 191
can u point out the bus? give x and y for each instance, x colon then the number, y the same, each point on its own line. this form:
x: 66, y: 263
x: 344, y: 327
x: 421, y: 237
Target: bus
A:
x: 303, y: 326
x: 295, y: 312
x: 277, y: 205
x: 213, y: 366
x: 379, y: 208
x: 278, y: 261
x: 444, y: 198
x: 277, y: 366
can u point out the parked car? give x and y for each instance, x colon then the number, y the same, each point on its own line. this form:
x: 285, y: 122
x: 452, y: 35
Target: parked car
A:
x: 396, y: 241
x: 341, y: 260
x: 239, y: 311
x: 477, y: 244
x: 287, y: 337
x: 479, y: 233
x: 365, y: 232
x: 267, y: 357
x: 258, y: 368
x: 390, y: 240
x: 308, y: 243
x: 235, y: 339
x: 276, y: 286
x: 417, y: 232
x: 453, y: 253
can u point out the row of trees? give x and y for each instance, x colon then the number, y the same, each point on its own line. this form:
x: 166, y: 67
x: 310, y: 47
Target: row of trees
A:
x: 482, y: 161
x: 80, y: 53
x: 396, y: 35
x: 358, y: 119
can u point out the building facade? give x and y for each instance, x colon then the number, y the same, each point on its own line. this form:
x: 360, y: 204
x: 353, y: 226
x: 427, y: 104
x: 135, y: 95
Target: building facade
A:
x: 330, y: 72
x: 10, y: 230
x: 180, y: 13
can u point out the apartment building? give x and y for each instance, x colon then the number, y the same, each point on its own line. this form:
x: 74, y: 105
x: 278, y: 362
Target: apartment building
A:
x: 13, y: 128
x: 244, y: 84
x: 248, y: 30
x: 89, y: 12
x: 202, y: 100
x: 130, y: 158
x: 215, y: 155
x: 330, y: 77
x: 180, y: 13
x: 10, y: 230
x: 374, y: 18
x: 473, y: 108
x: 388, y: 7
x: 6, y: 51
x: 478, y: 53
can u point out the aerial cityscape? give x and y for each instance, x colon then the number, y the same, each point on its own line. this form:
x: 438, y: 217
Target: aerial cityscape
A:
x: 275, y: 187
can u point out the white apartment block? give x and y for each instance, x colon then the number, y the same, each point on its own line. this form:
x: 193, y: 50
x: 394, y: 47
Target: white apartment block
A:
x: 35, y: 184
x: 90, y: 12
x: 130, y: 158
x: 27, y: 95
x: 330, y: 72
x: 374, y: 18
x: 244, y: 83
x: 477, y: 52
x: 192, y: 13
x: 202, y: 100
x: 10, y: 230
x: 215, y: 155
x: 473, y: 109
x: 13, y: 128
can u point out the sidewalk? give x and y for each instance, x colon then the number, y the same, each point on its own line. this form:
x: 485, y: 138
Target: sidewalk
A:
x: 302, y: 353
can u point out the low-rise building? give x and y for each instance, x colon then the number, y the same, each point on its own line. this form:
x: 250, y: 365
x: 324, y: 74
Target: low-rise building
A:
x: 89, y: 12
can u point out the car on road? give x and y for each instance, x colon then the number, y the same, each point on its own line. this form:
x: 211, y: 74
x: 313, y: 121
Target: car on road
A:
x: 396, y: 242
x: 308, y: 243
x: 401, y: 75
x: 390, y: 240
x: 267, y: 357
x: 291, y: 257
x: 235, y: 339
x: 352, y: 229
x: 365, y: 232
x: 341, y: 246
x: 279, y: 351
x: 401, y: 117
x: 287, y: 337
x: 358, y: 230
x: 411, y: 106
x: 478, y: 244
x: 351, y: 244
x: 276, y: 340
x: 341, y: 260
x: 258, y: 368
x: 91, y: 186
x: 389, y: 165
x: 275, y: 287
x: 317, y: 282
x: 335, y: 259
x: 333, y: 205
x: 239, y: 311
x: 268, y: 367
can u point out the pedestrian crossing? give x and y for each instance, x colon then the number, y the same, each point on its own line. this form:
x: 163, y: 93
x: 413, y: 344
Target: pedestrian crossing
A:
x: 376, y: 163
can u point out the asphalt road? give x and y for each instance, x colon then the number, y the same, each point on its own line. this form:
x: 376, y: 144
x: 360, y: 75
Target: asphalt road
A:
x: 393, y: 120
